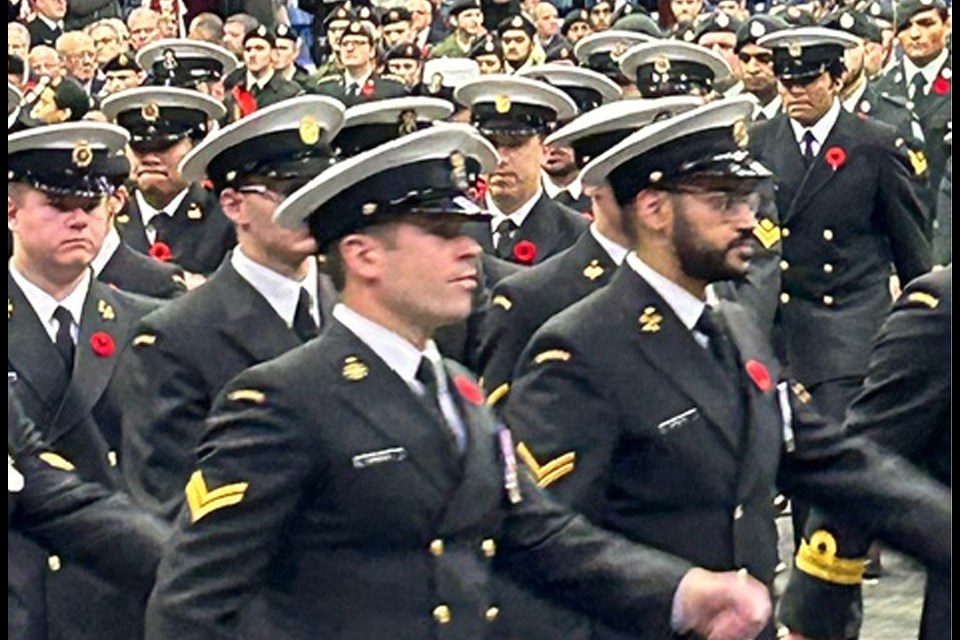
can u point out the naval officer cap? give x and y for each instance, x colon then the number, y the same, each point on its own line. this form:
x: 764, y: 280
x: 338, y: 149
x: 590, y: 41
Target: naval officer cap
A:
x: 593, y: 133
x: 287, y: 142
x: 159, y: 117
x: 805, y: 53
x: 669, y: 68
x: 855, y: 23
x: 184, y: 62
x: 602, y: 51
x: 709, y: 141
x: 14, y: 99
x: 82, y: 159
x: 511, y: 105
x: 371, y: 124
x: 431, y: 173
x: 756, y: 27
x: 588, y: 89
x: 906, y: 9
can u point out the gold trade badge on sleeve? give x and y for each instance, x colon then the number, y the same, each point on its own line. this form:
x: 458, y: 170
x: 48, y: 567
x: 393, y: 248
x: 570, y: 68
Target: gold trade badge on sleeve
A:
x: 924, y: 298
x: 502, y: 301
x: 549, y: 472
x: 650, y: 320
x: 918, y: 161
x: 767, y: 232
x: 106, y: 310
x: 145, y: 340
x: 194, y: 212
x: 247, y: 395
x: 203, y: 501
x: 593, y: 270
x: 354, y: 369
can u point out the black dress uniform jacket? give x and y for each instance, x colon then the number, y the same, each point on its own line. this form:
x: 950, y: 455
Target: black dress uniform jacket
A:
x: 79, y: 418
x: 181, y: 356
x: 375, y: 88
x: 134, y: 272
x: 199, y: 235
x: 276, y: 90
x: 41, y: 33
x: 69, y: 516
x: 841, y: 230
x: 550, y: 226
x: 904, y: 407
x: 350, y: 508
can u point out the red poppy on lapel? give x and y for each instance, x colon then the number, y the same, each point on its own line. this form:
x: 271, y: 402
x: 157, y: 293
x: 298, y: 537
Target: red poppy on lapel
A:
x: 836, y: 157
x: 160, y: 251
x: 525, y: 252
x: 207, y: 184
x: 102, y: 344
x: 368, y: 88
x: 759, y: 374
x: 468, y: 390
x: 941, y: 86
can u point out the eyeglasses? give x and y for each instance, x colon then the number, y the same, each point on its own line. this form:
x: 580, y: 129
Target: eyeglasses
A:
x: 762, y: 58
x: 725, y: 201
x: 263, y: 191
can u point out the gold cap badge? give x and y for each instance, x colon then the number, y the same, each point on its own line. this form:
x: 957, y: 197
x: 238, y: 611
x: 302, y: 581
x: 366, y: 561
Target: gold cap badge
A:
x: 309, y: 131
x: 740, y: 134
x: 661, y: 64
x: 502, y: 103
x: 150, y: 112
x: 82, y: 154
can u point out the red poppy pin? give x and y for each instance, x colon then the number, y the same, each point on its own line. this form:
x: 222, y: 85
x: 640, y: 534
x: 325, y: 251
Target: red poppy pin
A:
x: 102, y: 344
x: 836, y: 157
x: 160, y: 251
x: 368, y: 89
x: 941, y: 86
x: 759, y: 374
x: 525, y: 252
x: 468, y: 390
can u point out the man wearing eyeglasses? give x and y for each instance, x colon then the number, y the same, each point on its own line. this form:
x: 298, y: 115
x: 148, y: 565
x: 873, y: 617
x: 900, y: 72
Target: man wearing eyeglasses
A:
x: 265, y: 299
x: 359, y: 82
x: 848, y: 212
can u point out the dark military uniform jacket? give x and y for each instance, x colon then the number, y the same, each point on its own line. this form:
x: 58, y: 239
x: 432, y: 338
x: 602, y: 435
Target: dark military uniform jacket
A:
x: 134, y: 272
x: 79, y: 419
x: 275, y: 90
x: 550, y: 226
x: 41, y: 33
x: 523, y: 302
x: 327, y: 483
x: 841, y: 230
x: 180, y: 358
x: 68, y: 516
x: 904, y: 407
x: 376, y: 87
x: 198, y: 235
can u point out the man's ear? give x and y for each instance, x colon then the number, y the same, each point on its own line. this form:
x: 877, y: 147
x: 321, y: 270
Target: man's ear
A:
x: 652, y: 209
x: 231, y: 203
x: 362, y: 255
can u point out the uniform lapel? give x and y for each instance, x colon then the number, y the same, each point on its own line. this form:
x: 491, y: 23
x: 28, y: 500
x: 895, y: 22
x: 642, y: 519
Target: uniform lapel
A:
x: 670, y: 348
x: 783, y: 157
x: 30, y: 352
x: 130, y: 227
x: 820, y: 172
x: 328, y: 296
x: 390, y: 407
x: 540, y: 228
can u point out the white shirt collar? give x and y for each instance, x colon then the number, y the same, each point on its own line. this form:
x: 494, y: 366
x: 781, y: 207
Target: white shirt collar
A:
x: 421, y: 39
x: 398, y: 353
x: 44, y: 304
x: 360, y: 82
x: 852, y: 102
x: 259, y: 82
x: 615, y: 250
x: 686, y: 305
x: 54, y: 25
x: 821, y: 129
x: 148, y: 213
x: 552, y: 189
x: 281, y: 293
x: 772, y: 108
x: 517, y: 216
x: 930, y: 71
x: 109, y: 247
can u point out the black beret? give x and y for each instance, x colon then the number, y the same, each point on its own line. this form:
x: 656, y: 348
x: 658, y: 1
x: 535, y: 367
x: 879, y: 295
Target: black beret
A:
x: 757, y: 27
x: 396, y: 14
x: 404, y: 51
x: 906, y: 9
x: 260, y: 33
x: 572, y: 18
x: 853, y: 22
x: 516, y: 22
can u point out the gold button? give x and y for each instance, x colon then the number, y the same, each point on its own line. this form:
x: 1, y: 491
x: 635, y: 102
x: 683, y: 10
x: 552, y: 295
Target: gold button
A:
x: 828, y: 300
x: 828, y: 268
x: 784, y: 265
x: 441, y: 613
x: 828, y: 234
x: 784, y: 232
x: 492, y: 614
x: 738, y: 512
x: 784, y: 298
x: 112, y: 458
x: 436, y: 547
x: 54, y: 563
x: 489, y: 547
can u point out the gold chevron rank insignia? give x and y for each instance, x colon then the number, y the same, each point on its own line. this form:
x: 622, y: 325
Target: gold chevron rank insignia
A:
x: 247, y: 395
x: 924, y: 298
x: 551, y: 355
x: 203, y: 501
x: 498, y: 394
x: 767, y: 232
x: 550, y: 472
x: 502, y: 301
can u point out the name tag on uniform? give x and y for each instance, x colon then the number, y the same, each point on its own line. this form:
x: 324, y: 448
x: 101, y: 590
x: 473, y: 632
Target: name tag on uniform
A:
x: 364, y: 460
x: 677, y: 421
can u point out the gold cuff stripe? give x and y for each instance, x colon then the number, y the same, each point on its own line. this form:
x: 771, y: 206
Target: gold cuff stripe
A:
x: 502, y: 301
x: 144, y: 339
x: 56, y: 461
x: 203, y: 502
x: 551, y: 471
x: 551, y: 355
x: 819, y: 559
x: 498, y: 394
x: 924, y: 298
x: 247, y: 395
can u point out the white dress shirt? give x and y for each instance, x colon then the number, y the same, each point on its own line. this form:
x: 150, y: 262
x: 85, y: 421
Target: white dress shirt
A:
x: 281, y: 293
x: 148, y: 212
x: 820, y: 130
x: 616, y: 251
x: 517, y: 216
x: 44, y: 304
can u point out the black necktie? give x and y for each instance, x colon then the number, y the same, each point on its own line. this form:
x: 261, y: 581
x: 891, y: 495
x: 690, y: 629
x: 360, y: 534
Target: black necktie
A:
x: 565, y: 198
x: 718, y: 342
x: 427, y: 376
x: 64, y: 341
x: 506, y: 230
x: 917, y: 85
x: 303, y: 324
x: 160, y: 224
x: 807, y: 144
